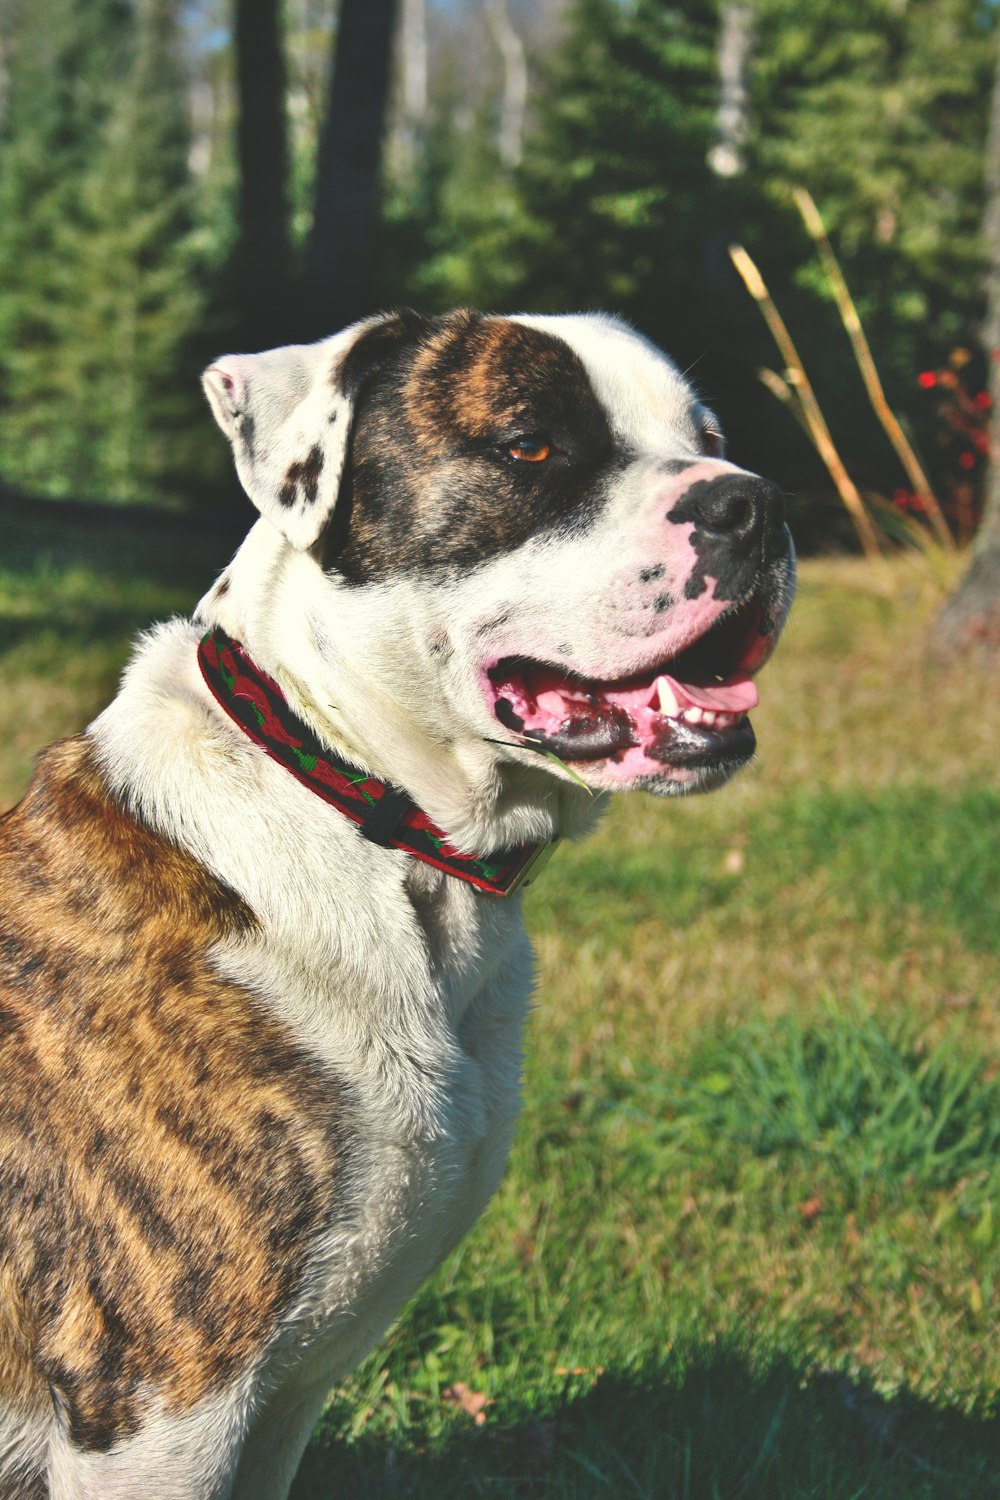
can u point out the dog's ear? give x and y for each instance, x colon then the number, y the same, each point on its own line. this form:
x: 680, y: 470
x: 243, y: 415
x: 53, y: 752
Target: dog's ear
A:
x: 287, y: 414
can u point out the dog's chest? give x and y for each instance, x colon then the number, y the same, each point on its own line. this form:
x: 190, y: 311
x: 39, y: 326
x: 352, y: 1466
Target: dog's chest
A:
x: 431, y: 1070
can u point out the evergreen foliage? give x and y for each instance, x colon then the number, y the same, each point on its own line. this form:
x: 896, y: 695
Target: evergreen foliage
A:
x: 57, y: 105
x: 613, y: 181
x: 877, y: 106
x: 99, y: 296
x: 880, y: 109
x: 112, y: 262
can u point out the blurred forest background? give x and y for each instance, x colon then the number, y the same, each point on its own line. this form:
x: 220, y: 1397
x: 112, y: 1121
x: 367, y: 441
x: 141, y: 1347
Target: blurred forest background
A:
x: 178, y: 177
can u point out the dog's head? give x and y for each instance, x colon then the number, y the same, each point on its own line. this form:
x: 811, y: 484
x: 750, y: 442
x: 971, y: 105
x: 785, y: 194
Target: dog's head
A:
x: 532, y: 524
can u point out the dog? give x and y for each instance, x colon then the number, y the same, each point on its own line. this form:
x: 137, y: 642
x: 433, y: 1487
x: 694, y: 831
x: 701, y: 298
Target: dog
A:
x: 263, y: 975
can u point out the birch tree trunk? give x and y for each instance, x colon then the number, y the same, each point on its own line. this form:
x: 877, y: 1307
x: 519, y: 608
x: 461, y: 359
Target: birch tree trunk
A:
x: 515, y: 82
x: 971, y: 616
x: 413, y: 79
x: 733, y: 59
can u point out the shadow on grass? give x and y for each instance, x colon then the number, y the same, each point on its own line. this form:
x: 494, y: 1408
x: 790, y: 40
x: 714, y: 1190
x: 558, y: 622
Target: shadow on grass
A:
x: 161, y: 545
x: 98, y: 574
x: 720, y: 1432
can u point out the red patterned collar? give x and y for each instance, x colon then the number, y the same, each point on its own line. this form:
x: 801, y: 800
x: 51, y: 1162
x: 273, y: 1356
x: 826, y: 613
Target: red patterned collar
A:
x: 384, y: 814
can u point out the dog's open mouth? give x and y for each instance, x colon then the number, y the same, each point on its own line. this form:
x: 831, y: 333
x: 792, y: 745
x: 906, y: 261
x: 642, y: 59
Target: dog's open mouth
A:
x: 688, y: 710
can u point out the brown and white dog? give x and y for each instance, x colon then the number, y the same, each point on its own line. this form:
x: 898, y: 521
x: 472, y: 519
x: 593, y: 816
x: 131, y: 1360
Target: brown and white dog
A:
x: 259, y: 1063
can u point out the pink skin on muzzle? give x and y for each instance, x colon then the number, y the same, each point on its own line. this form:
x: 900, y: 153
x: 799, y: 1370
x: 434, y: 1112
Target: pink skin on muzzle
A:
x: 646, y: 689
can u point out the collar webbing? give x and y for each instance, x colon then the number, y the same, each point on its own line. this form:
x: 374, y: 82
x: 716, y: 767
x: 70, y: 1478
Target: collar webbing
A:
x: 384, y: 814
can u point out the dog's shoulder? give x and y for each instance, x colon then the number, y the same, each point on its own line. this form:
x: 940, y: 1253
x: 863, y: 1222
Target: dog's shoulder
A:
x: 168, y: 1153
x: 70, y: 848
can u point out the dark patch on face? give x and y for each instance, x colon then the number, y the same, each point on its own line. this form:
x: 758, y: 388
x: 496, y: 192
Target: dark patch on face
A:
x: 168, y: 1155
x: 663, y: 602
x: 303, y: 475
x: 431, y: 486
x: 441, y: 647
x: 650, y: 575
x: 738, y: 528
x: 248, y: 434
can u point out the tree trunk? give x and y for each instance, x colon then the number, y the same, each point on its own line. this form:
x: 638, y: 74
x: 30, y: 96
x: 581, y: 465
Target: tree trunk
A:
x: 515, y: 82
x: 340, y: 283
x: 262, y: 252
x: 413, y: 76
x: 732, y: 118
x: 971, y: 616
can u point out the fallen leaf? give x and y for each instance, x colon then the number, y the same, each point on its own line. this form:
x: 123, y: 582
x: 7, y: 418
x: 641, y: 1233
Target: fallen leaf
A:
x: 473, y: 1403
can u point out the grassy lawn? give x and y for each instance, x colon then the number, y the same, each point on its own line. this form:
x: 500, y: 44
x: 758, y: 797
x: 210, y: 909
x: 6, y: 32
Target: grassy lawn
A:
x: 749, y: 1242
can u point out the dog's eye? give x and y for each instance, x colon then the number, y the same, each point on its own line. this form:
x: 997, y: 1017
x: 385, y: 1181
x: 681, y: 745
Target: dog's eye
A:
x: 530, y: 449
x: 711, y: 442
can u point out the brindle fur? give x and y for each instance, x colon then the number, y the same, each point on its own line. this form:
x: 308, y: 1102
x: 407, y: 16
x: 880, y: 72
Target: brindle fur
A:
x: 439, y: 402
x: 165, y: 1150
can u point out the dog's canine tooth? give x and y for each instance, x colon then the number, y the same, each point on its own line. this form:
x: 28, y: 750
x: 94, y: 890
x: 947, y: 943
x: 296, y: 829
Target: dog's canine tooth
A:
x: 667, y: 698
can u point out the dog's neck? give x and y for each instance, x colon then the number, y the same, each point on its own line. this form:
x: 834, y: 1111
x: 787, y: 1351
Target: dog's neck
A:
x: 363, y: 679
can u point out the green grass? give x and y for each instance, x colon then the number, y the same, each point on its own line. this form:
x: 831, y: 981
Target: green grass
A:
x: 73, y: 594
x: 749, y: 1243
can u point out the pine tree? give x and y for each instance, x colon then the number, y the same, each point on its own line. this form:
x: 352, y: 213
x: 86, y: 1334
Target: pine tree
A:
x: 58, y: 101
x: 880, y: 109
x: 613, y: 193
x: 98, y: 291
x: 128, y: 340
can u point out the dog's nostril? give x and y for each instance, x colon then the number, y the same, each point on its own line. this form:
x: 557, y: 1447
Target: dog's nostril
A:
x: 740, y: 504
x: 728, y: 512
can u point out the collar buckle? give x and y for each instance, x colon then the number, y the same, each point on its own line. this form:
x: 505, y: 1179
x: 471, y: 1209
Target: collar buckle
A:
x: 530, y: 870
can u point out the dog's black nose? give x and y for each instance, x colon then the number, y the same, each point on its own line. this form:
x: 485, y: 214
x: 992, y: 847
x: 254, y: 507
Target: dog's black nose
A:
x: 741, y: 508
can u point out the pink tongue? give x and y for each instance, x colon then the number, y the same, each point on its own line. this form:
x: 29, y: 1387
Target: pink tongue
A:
x: 737, y: 696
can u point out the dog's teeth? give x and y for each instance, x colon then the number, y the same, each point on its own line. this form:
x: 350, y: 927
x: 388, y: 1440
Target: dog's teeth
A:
x: 692, y: 716
x: 552, y: 703
x: 667, y: 698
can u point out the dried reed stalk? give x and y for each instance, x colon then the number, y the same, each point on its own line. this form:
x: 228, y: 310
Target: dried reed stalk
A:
x: 798, y: 380
x: 816, y: 230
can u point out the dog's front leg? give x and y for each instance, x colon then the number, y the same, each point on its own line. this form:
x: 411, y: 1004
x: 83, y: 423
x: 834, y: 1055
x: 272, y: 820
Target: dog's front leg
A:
x: 276, y: 1443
